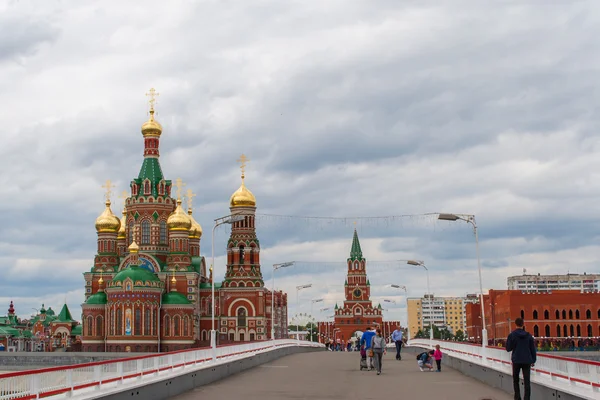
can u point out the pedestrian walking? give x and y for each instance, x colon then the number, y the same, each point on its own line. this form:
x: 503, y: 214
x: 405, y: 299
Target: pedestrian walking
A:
x: 366, y: 340
x: 523, y: 357
x: 437, y: 356
x: 378, y: 345
x: 397, y: 338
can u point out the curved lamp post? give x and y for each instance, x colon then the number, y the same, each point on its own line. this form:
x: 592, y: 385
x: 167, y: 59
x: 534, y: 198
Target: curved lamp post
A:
x: 406, y: 296
x: 298, y: 289
x: 275, y: 268
x: 419, y: 263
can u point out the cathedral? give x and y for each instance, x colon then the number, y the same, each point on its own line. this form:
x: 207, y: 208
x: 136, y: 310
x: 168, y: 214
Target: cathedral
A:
x: 358, y: 311
x: 149, y: 291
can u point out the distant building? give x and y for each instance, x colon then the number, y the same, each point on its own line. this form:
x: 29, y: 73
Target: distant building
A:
x: 547, y: 283
x: 358, y: 311
x: 443, y: 312
x: 560, y: 314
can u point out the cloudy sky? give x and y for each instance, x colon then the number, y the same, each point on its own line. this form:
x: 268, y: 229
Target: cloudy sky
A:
x: 346, y: 109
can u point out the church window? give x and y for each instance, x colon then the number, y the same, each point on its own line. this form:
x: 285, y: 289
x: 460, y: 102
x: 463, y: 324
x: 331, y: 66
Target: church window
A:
x: 112, y: 321
x: 154, y: 319
x: 241, y: 317
x: 89, y: 326
x: 241, y: 255
x: 176, y: 325
x: 137, y: 329
x: 251, y: 255
x: 147, y: 322
x: 163, y: 232
x: 147, y: 187
x: 99, y: 326
x: 231, y: 337
x: 119, y: 322
x: 167, y: 326
x: 186, y: 323
x: 130, y: 232
x: 145, y: 232
x: 252, y: 337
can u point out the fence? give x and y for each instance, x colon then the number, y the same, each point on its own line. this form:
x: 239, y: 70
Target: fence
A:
x: 573, y: 375
x: 67, y: 380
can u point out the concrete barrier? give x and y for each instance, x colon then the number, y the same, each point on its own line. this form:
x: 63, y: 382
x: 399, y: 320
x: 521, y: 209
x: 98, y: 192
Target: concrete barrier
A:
x: 167, y: 387
x: 494, y: 377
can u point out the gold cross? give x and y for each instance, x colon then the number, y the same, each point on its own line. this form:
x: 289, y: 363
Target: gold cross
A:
x: 108, y: 186
x: 124, y: 196
x: 152, y: 94
x: 190, y: 195
x: 243, y: 160
x: 179, y: 184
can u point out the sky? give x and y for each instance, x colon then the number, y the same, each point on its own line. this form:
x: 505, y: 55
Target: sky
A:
x: 347, y: 111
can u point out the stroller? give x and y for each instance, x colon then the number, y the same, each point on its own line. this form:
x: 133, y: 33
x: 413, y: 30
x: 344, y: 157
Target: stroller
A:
x: 363, y: 359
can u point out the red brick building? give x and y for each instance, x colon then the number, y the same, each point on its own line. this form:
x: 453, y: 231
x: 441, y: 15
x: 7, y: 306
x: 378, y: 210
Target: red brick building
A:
x: 357, y: 311
x: 558, y: 314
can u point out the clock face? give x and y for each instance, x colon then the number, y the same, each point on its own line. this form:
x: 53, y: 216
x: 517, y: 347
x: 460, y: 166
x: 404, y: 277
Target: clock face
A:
x: 357, y: 292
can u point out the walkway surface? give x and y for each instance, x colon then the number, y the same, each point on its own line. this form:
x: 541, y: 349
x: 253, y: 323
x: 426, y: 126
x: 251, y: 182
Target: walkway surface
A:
x: 336, y: 375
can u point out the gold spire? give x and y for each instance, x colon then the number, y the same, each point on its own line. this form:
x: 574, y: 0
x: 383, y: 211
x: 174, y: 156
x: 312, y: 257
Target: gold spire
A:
x: 242, y: 197
x: 173, y: 282
x: 133, y: 247
x: 179, y: 185
x: 108, y: 185
x: 121, y: 233
x: 196, y: 229
x: 101, y: 280
x: 107, y: 221
x: 151, y: 127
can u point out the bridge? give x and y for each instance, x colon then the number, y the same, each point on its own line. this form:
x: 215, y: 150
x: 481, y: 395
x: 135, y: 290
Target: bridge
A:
x: 288, y: 368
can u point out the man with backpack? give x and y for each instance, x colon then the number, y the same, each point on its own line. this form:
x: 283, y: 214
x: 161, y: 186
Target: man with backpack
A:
x: 523, y: 357
x: 424, y: 360
x: 366, y: 339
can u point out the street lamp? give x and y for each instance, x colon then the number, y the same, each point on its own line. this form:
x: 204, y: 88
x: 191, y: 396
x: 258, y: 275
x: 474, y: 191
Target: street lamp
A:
x: 298, y: 289
x: 313, y: 301
x: 471, y: 220
x: 275, y: 268
x: 389, y: 301
x: 406, y: 296
x: 229, y: 219
x: 419, y: 263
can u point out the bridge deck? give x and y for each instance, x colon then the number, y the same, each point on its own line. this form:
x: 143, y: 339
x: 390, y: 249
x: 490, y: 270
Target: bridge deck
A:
x: 336, y: 375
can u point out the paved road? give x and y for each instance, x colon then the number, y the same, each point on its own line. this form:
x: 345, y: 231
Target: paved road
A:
x: 327, y: 375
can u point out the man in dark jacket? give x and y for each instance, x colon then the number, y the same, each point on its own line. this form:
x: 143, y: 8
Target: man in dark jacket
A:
x: 523, y: 357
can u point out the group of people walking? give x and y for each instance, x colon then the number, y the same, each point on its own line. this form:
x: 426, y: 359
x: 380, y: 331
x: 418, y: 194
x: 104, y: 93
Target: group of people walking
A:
x: 372, y: 345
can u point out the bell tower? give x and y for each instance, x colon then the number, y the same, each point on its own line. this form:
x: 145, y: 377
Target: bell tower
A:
x: 357, y: 286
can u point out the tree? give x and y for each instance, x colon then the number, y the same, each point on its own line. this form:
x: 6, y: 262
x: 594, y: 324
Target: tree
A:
x: 314, y: 337
x: 420, y: 334
x: 460, y: 336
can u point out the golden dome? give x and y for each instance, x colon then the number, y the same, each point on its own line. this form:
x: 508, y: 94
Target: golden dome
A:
x: 196, y: 229
x: 179, y: 220
x: 133, y: 247
x: 107, y: 221
x: 151, y: 127
x: 121, y: 232
x: 242, y: 197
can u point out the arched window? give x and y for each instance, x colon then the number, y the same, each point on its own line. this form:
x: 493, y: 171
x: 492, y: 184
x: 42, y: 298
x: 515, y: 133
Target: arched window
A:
x: 565, y: 332
x: 99, y: 326
x: 557, y: 315
x: 146, y: 232
x: 154, y: 322
x: 535, y: 315
x: 578, y: 330
x: 119, y: 321
x: 147, y: 320
x: 588, y: 314
x: 176, y: 325
x: 564, y: 313
x: 577, y: 315
x: 536, y: 331
x: 130, y: 232
x: 557, y: 330
x: 599, y: 313
x: 90, y: 321
x: 112, y: 321
x: 241, y: 254
x: 590, y: 333
x: 137, y: 328
x: 163, y: 232
x: 167, y: 326
x: 547, y: 329
x: 241, y: 317
x: 252, y: 255
x: 186, y: 329
x: 242, y: 284
x: 570, y: 314
x: 147, y: 187
x: 572, y: 329
x: 522, y: 314
x: 547, y: 315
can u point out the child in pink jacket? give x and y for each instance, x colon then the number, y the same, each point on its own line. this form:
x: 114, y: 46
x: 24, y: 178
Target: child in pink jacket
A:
x: 437, y: 355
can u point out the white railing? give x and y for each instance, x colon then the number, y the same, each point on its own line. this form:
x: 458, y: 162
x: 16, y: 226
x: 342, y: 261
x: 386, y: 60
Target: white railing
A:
x: 562, y: 373
x: 91, y: 377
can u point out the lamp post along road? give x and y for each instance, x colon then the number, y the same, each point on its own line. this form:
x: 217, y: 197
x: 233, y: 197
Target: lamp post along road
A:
x: 429, y: 297
x: 312, y: 302
x: 406, y: 296
x: 275, y: 268
x: 298, y: 289
x: 471, y: 220
x: 229, y: 219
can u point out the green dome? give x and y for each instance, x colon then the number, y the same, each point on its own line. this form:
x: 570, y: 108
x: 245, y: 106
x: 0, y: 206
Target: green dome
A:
x: 50, y: 311
x: 136, y: 274
x: 98, y: 298
x: 174, y: 298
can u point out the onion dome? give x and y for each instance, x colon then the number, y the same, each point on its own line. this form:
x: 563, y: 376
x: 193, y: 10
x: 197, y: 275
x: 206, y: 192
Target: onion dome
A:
x: 97, y: 298
x: 174, y: 298
x: 50, y: 311
x: 11, y: 308
x: 179, y: 220
x: 121, y: 232
x: 196, y: 229
x: 138, y: 275
x: 133, y: 247
x: 42, y: 310
x: 242, y: 197
x: 151, y: 127
x: 107, y: 221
